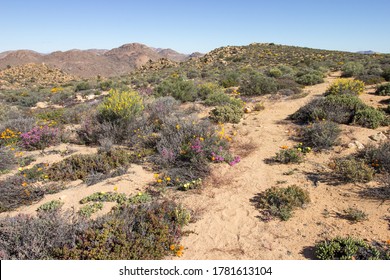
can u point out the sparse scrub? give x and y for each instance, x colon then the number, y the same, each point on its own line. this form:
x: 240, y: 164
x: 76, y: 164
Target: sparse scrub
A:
x: 383, y: 90
x: 178, y: 88
x: 89, y: 209
x: 8, y: 160
x: 377, y: 156
x: 354, y: 215
x: 370, y: 117
x: 352, y: 69
x: 281, y: 202
x: 349, y: 248
x: 52, y: 205
x: 354, y: 170
x: 231, y: 112
x: 82, y: 86
x: 289, y: 155
x: 311, y: 77
x: 257, y: 84
x: 321, y: 135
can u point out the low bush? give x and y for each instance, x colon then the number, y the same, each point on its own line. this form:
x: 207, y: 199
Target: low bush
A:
x: 346, y: 86
x: 370, y: 117
x: 81, y: 166
x: 377, y: 156
x: 8, y: 160
x: 386, y: 73
x: 289, y: 155
x: 370, y: 79
x: 354, y: 170
x: 39, y: 137
x: 352, y: 69
x: 311, y: 78
x: 50, y: 206
x: 383, y: 90
x: 230, y: 79
x: 120, y: 106
x: 82, y: 86
x: 321, y: 135
x: 217, y: 99
x: 231, y: 112
x: 89, y: 209
x: 342, y: 109
x: 207, y: 89
x: 119, y: 198
x: 348, y: 248
x: 281, y: 202
x: 178, y: 88
x: 354, y: 215
x: 256, y: 83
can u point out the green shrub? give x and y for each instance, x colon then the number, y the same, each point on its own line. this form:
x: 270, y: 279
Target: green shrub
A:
x: 377, y: 156
x: 311, y: 78
x: 354, y: 215
x: 120, y: 105
x: 81, y: 166
x: 257, y: 84
x: 8, y: 160
x: 105, y: 197
x: 336, y: 108
x: 351, y: 69
x: 321, y: 135
x: 207, y: 89
x: 89, y: 209
x: 51, y: 205
x: 230, y: 79
x: 383, y: 90
x: 105, y: 85
x: 141, y: 197
x: 281, y: 202
x: 178, y: 88
x: 348, y: 248
x: 275, y: 72
x: 231, y: 112
x: 354, y: 170
x: 346, y: 86
x: 82, y: 86
x: 370, y: 117
x: 386, y: 74
x: 291, y: 155
x: 370, y: 79
x: 218, y: 98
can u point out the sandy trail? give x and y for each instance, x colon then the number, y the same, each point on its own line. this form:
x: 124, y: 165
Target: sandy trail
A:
x: 230, y: 227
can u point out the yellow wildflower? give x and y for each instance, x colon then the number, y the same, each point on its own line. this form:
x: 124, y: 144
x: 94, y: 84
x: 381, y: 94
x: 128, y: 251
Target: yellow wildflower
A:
x: 159, y: 181
x: 172, y: 247
x: 168, y: 179
x: 115, y: 188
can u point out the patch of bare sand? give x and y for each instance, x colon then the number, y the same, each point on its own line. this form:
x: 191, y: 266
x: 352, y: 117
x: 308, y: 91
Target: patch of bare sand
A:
x: 230, y: 227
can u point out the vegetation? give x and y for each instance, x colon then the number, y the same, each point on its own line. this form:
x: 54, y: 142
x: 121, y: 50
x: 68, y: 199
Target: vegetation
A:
x: 346, y: 86
x: 281, y: 202
x: 321, y: 135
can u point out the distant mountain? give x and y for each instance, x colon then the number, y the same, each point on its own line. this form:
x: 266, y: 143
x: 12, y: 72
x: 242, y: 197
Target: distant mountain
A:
x: 93, y: 62
x: 367, y: 52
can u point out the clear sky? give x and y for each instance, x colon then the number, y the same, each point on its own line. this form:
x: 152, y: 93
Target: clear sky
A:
x: 194, y: 25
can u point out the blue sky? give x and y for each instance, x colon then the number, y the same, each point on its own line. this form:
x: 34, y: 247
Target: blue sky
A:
x: 189, y: 26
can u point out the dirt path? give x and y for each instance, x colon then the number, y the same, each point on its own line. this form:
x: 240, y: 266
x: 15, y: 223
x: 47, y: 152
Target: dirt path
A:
x: 230, y: 227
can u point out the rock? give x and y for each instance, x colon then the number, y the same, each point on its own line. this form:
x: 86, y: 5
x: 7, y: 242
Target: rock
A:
x: 356, y: 145
x: 378, y: 137
x: 247, y: 110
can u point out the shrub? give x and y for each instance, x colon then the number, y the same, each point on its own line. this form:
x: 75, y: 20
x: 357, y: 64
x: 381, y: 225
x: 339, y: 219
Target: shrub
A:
x: 89, y: 209
x: 105, y: 197
x: 24, y: 237
x: 82, y: 86
x: 310, y: 78
x: 370, y: 79
x: 230, y: 79
x: 383, y: 90
x: 377, y: 156
x: 8, y: 159
x: 20, y: 124
x: 120, y: 106
x: 218, y: 98
x: 16, y: 191
x: 178, y: 88
x: 354, y: 215
x: 346, y: 86
x: 106, y: 85
x: 229, y: 113
x: 386, y: 74
x: 140, y: 232
x: 81, y: 166
x: 321, y: 135
x: 207, y: 89
x: 370, y: 117
x: 354, y: 170
x: 351, y: 69
x: 274, y: 72
x: 291, y: 155
x: 257, y: 84
x: 337, y: 108
x: 348, y: 248
x: 39, y: 137
x: 281, y: 202
x: 51, y: 205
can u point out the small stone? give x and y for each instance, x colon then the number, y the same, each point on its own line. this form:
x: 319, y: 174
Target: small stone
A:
x: 247, y: 110
x: 359, y: 145
x: 378, y: 137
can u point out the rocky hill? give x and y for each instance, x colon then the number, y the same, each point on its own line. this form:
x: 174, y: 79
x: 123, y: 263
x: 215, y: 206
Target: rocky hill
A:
x: 32, y: 74
x: 93, y: 62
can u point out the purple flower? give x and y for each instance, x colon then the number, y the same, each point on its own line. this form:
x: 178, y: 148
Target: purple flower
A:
x: 236, y: 160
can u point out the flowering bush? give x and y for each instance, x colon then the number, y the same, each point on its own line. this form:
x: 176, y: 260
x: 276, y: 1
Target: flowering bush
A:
x: 121, y: 105
x: 346, y: 86
x: 39, y: 137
